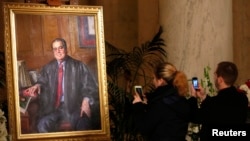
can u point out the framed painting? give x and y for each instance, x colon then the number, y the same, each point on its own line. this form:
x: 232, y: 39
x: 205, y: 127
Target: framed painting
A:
x: 37, y: 37
x: 87, y: 34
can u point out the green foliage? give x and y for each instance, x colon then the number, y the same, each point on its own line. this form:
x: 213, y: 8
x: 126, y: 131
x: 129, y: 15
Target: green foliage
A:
x: 206, y: 83
x: 124, y: 70
x: 137, y: 62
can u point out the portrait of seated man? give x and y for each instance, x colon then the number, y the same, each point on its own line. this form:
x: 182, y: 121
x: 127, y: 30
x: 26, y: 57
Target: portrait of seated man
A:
x: 66, y: 92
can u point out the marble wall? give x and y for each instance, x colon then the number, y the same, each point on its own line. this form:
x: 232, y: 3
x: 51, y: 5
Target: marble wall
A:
x: 198, y: 33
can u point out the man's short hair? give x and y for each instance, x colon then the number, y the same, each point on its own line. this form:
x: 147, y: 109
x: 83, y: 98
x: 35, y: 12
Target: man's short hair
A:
x: 228, y: 71
x: 64, y: 44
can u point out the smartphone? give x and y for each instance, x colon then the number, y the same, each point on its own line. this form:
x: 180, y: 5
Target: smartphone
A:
x: 138, y: 89
x: 195, y: 83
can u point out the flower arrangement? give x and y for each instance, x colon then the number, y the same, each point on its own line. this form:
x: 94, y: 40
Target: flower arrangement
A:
x: 245, y: 88
x: 3, y: 129
x: 193, y: 132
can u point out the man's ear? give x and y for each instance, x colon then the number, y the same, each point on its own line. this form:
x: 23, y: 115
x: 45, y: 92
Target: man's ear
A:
x: 220, y: 80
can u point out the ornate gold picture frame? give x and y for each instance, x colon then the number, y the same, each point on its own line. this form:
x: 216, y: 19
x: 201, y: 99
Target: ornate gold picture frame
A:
x: 29, y: 32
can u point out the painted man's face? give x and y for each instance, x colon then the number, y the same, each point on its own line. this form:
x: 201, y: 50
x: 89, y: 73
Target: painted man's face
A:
x: 59, y: 51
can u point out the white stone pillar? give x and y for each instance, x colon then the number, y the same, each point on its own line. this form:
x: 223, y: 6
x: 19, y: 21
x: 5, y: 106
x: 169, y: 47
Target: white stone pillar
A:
x: 197, y: 33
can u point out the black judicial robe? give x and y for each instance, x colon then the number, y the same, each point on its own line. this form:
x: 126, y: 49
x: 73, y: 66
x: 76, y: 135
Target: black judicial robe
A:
x: 79, y: 83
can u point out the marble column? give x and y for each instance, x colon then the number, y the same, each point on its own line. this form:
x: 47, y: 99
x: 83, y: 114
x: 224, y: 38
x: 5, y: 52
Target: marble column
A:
x: 198, y: 33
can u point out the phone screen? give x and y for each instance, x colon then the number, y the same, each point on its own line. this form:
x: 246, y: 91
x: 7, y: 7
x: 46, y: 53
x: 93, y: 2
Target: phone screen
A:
x: 138, y: 89
x: 195, y: 82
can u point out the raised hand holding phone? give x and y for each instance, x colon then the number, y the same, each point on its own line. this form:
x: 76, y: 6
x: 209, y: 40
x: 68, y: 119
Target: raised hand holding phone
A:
x: 138, y: 89
x: 195, y: 83
x: 199, y: 91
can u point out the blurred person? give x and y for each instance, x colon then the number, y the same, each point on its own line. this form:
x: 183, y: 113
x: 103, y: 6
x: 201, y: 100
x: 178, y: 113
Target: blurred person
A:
x: 165, y: 115
x: 226, y: 110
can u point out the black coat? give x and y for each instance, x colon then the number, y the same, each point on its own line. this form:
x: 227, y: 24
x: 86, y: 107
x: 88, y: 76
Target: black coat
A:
x: 226, y: 110
x: 79, y: 83
x: 165, y: 117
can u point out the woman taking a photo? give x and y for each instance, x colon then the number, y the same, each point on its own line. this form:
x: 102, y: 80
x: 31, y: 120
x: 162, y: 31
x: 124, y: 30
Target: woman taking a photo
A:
x: 165, y: 115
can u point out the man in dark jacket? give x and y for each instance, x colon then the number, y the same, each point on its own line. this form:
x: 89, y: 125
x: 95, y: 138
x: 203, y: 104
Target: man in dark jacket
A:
x: 224, y: 112
x: 78, y: 101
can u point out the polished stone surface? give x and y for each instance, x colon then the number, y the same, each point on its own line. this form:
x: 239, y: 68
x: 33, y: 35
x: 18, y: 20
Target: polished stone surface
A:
x: 198, y: 33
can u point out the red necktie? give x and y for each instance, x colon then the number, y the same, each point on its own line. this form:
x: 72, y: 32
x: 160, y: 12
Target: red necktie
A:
x: 59, y: 86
